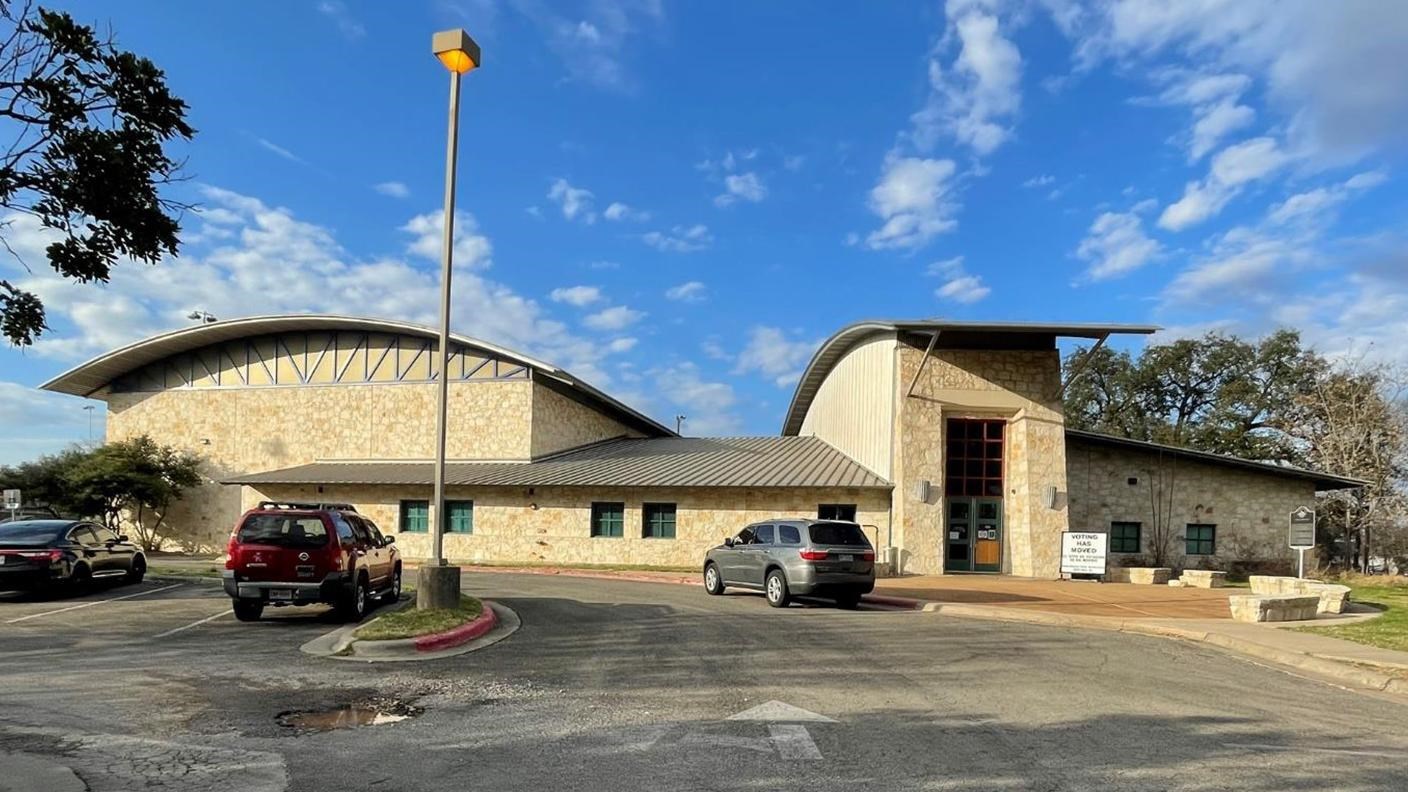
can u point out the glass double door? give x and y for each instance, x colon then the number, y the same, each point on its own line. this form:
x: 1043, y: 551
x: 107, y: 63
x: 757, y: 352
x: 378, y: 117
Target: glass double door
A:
x: 973, y: 534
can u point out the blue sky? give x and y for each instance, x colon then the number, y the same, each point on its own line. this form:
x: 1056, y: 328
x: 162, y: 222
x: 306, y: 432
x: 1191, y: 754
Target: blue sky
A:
x: 679, y: 201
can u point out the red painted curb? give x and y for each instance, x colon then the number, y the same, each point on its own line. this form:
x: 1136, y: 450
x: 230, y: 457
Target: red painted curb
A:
x: 464, y: 633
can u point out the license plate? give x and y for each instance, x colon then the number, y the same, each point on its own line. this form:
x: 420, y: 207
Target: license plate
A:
x: 845, y: 557
x: 281, y: 594
x: 3, y: 559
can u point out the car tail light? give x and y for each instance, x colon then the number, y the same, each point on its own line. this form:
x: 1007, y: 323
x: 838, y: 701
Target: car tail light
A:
x: 814, y: 555
x: 52, y: 555
x: 868, y: 555
x: 230, y: 553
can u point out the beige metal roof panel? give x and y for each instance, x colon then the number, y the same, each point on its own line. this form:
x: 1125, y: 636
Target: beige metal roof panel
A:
x: 741, y: 462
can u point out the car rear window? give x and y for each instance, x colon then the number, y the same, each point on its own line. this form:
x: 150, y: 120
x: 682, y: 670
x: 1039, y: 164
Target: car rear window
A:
x: 837, y: 533
x: 36, y: 532
x: 283, y: 530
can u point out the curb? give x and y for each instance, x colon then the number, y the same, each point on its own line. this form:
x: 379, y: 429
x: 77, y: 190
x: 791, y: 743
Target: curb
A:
x: 483, y: 623
x: 495, y: 623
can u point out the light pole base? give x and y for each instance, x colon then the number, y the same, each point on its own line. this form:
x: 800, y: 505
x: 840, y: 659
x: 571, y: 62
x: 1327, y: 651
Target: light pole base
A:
x: 438, y: 587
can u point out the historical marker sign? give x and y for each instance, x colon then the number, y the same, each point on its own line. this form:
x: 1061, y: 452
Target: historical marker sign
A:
x: 1302, y: 528
x: 1083, y: 553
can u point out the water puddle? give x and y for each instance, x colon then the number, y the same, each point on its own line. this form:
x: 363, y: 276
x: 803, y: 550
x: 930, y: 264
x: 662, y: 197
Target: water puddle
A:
x: 351, y: 716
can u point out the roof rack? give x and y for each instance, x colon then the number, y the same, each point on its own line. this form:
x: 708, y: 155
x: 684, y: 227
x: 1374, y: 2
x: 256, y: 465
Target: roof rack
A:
x: 307, y: 506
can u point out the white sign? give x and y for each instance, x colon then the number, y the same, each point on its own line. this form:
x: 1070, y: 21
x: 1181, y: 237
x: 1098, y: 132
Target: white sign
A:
x: 12, y: 499
x: 1083, y: 553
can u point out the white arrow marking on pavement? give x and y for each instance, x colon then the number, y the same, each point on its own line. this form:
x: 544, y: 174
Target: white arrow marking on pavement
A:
x: 792, y: 741
x: 780, y: 712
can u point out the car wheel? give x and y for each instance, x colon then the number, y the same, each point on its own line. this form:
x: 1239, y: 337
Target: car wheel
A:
x: 776, y: 589
x: 395, y: 592
x: 713, y: 584
x: 849, y: 600
x: 248, y: 610
x: 138, y: 570
x: 355, y: 606
x: 81, y: 576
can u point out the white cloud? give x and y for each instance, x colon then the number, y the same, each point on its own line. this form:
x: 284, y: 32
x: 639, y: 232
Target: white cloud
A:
x: 393, y: 189
x: 277, y: 263
x: 741, y: 186
x: 980, y: 91
x: 708, y: 407
x: 347, y: 25
x: 1231, y: 169
x: 618, y: 211
x: 1313, y: 204
x: 575, y: 202
x: 614, y: 318
x: 1214, y: 101
x: 679, y: 239
x: 912, y: 197
x: 1116, y: 245
x: 691, y: 291
x: 771, y: 353
x: 1039, y: 181
x: 619, y: 345
x: 593, y: 48
x: 959, y: 285
x: 269, y: 145
x: 576, y: 295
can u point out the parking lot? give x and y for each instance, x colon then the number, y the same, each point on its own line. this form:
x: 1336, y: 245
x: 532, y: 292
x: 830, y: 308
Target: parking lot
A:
x: 629, y: 685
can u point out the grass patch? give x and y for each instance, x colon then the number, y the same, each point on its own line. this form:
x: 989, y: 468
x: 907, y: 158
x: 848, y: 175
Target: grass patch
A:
x: 163, y: 570
x: 411, y: 622
x: 1389, y: 631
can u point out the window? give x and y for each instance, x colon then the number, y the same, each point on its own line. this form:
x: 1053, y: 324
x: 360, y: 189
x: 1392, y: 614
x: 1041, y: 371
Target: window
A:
x: 104, y: 535
x: 374, y: 531
x: 658, y: 521
x: 360, y: 530
x: 83, y: 535
x: 1124, y: 537
x: 788, y: 534
x: 461, y: 514
x: 762, y: 535
x: 973, y: 457
x: 1200, y: 539
x: 836, y: 511
x: 608, y: 519
x: 415, y: 516
x: 343, y: 528
x: 745, y: 536
x: 283, y: 531
x: 838, y: 534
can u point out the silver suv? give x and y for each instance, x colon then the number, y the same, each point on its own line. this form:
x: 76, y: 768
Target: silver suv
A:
x: 788, y: 557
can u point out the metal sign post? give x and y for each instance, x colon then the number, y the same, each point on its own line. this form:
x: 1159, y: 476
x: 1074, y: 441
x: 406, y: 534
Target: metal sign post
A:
x: 12, y: 501
x: 1302, y: 535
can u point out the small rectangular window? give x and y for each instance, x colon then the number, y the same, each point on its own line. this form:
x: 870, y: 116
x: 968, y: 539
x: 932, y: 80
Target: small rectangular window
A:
x: 461, y: 514
x: 658, y: 520
x: 1201, y: 539
x: 788, y: 534
x: 836, y: 511
x: 762, y: 535
x: 608, y: 519
x: 1124, y: 537
x: 415, y: 516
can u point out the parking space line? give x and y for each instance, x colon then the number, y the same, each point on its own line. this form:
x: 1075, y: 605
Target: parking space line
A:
x: 194, y: 624
x: 91, y: 604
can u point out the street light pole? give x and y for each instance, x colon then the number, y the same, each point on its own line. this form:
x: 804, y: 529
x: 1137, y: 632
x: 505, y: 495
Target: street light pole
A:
x: 439, y: 584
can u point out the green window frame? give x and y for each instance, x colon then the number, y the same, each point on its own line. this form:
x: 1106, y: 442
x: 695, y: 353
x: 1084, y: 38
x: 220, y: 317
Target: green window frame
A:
x: 609, y: 519
x: 658, y: 520
x: 415, y: 516
x: 1200, y: 539
x: 461, y: 514
x: 1125, y: 537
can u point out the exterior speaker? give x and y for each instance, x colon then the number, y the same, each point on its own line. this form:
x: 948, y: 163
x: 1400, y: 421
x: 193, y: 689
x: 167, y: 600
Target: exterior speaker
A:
x: 1050, y: 498
x: 925, y: 490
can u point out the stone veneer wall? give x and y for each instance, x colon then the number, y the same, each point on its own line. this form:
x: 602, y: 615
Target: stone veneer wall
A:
x: 560, y: 423
x: 1250, y: 509
x: 1024, y: 388
x: 245, y: 430
x: 509, y: 530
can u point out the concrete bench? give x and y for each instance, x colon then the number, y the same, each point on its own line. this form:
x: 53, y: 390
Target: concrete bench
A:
x: 1334, y: 598
x: 1272, y: 608
x: 1203, y: 578
x: 1148, y: 576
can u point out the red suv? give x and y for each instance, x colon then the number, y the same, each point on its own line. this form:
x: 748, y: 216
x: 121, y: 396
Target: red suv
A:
x: 303, y: 553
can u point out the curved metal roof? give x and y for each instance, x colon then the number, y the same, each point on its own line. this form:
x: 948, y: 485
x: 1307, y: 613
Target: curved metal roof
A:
x: 85, y: 379
x: 836, y: 347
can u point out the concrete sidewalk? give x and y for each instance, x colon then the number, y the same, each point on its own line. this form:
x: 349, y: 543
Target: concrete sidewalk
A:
x: 1078, y: 598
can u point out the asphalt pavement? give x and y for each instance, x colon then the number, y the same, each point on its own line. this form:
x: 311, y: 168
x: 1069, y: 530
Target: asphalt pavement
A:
x: 614, y: 685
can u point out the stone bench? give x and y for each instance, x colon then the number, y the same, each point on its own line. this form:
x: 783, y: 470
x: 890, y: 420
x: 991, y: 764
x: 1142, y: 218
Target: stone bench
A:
x: 1203, y: 578
x: 1148, y: 576
x: 1273, y: 608
x: 1334, y: 598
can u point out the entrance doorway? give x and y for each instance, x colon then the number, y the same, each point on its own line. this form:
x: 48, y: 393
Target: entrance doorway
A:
x: 973, y: 481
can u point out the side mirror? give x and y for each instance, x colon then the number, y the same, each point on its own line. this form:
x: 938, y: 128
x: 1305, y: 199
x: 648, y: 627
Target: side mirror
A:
x: 122, y: 538
x: 388, y: 540
x: 728, y: 541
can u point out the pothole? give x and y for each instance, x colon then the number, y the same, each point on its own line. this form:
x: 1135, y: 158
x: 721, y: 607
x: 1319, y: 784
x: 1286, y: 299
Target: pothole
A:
x: 349, y: 716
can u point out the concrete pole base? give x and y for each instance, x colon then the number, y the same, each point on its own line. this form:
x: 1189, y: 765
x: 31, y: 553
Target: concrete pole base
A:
x: 438, y: 587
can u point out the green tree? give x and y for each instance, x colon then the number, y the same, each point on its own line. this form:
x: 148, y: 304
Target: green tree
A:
x: 133, y: 481
x: 87, y: 154
x: 44, y: 481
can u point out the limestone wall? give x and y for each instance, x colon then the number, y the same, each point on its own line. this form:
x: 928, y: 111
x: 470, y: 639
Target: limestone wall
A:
x: 1250, y: 509
x: 560, y: 423
x: 1020, y: 386
x: 553, y: 524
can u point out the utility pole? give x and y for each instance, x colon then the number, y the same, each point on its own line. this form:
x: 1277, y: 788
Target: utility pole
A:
x: 679, y: 422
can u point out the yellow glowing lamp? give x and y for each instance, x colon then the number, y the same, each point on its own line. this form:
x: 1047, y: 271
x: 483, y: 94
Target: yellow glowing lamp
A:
x: 456, y: 50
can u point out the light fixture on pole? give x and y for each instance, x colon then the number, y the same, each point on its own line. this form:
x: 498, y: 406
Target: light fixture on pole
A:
x: 439, y: 585
x: 204, y: 317
x: 89, y: 408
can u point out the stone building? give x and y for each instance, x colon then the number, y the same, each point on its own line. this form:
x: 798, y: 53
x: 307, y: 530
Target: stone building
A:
x: 945, y: 440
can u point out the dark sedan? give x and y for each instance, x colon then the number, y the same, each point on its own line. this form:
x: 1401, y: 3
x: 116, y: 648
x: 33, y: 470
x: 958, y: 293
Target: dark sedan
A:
x: 37, y: 553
